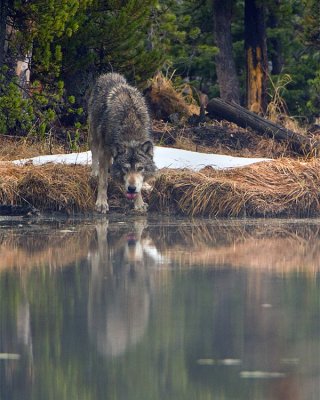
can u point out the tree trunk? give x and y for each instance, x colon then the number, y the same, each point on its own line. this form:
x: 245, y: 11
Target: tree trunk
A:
x: 226, y: 69
x: 256, y: 56
x: 276, y: 53
x: 20, y: 63
x: 23, y: 71
x: 244, y: 118
x: 4, y: 4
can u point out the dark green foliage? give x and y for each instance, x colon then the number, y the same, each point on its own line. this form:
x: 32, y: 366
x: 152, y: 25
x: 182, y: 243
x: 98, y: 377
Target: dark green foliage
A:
x: 40, y: 112
x: 112, y: 35
x: 301, y: 58
x: 311, y: 23
x: 188, y: 29
x: 40, y: 24
x: 71, y: 42
x: 16, y: 112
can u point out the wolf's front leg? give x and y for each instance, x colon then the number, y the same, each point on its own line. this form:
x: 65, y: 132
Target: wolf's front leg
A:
x: 102, y: 205
x: 139, y: 204
x: 102, y: 199
x: 94, y: 146
x: 95, y: 164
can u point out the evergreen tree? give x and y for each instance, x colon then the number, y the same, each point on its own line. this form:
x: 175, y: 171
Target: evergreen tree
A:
x: 67, y: 43
x: 311, y: 23
x: 299, y: 53
x: 112, y: 36
x: 36, y: 26
x: 187, y: 29
x: 4, y: 11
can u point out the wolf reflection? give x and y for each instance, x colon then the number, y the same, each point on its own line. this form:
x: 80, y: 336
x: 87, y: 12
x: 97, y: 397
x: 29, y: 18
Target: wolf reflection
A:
x: 121, y: 288
x: 125, y: 264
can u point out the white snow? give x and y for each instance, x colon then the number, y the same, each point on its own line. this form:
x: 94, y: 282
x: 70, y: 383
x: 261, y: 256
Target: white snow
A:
x: 72, y: 158
x: 164, y: 157
x: 175, y: 158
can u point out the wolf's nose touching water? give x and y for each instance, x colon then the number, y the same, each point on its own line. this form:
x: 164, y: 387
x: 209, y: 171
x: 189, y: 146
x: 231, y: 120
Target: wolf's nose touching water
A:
x: 120, y: 141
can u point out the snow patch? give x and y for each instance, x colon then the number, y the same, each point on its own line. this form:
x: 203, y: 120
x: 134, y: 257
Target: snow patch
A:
x: 164, y: 157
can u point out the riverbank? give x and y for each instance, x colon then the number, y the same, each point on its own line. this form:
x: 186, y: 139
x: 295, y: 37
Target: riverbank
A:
x: 272, y: 188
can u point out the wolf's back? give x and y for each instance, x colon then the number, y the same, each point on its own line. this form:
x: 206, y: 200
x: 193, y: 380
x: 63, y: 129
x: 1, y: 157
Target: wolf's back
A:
x: 105, y: 83
x: 128, y: 115
x: 117, y: 110
x: 97, y: 105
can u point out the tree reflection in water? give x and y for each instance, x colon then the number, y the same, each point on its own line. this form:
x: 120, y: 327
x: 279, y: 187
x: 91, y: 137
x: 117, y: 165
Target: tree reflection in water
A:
x: 142, y: 309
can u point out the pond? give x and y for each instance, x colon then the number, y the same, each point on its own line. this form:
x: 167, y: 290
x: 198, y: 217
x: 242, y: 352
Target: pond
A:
x: 146, y: 308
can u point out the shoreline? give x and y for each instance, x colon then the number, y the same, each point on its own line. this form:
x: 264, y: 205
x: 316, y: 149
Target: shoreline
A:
x: 281, y: 188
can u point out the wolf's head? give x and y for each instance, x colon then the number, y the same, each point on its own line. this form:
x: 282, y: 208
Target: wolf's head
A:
x: 132, y: 165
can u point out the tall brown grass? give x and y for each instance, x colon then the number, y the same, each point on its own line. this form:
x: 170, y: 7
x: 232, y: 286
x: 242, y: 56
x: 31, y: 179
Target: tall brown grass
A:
x: 47, y: 187
x: 12, y: 147
x: 277, y: 110
x: 282, y: 187
x: 165, y: 99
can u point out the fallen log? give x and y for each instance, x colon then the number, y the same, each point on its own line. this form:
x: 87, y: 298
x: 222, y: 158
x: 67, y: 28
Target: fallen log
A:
x: 232, y: 112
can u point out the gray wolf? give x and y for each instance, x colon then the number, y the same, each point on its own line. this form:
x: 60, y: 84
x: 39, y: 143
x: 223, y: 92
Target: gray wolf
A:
x: 120, y: 141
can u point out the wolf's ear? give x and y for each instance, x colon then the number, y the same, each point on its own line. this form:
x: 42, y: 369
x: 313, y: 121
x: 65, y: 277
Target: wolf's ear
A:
x: 147, y: 147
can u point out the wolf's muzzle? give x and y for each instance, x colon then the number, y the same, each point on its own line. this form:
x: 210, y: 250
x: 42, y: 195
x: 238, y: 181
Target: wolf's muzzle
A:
x: 131, y: 193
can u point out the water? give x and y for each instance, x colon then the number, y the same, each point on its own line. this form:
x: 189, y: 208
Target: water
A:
x: 130, y: 308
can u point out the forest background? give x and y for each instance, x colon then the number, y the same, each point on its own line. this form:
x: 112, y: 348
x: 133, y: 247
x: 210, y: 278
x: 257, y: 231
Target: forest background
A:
x: 52, y: 51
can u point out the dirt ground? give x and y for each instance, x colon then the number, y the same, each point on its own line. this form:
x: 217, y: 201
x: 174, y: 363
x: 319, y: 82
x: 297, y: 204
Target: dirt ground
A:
x: 223, y: 137
x: 211, y: 136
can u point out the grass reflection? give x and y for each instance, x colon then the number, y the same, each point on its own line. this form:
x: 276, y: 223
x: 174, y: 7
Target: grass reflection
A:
x: 143, y: 310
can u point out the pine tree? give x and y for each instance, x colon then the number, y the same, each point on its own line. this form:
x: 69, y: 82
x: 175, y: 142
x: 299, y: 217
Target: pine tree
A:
x: 112, y: 36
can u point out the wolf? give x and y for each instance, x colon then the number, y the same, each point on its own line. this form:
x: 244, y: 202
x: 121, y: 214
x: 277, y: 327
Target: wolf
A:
x: 120, y: 140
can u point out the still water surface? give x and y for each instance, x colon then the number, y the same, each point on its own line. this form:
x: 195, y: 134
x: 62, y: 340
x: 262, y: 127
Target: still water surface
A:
x: 141, y: 309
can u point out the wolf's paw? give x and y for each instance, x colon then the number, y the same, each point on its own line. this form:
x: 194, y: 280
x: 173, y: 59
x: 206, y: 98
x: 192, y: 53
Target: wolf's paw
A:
x: 143, y: 207
x: 102, y: 206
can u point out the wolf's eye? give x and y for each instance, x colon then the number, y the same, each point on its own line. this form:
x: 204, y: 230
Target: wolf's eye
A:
x: 125, y: 168
x: 140, y: 168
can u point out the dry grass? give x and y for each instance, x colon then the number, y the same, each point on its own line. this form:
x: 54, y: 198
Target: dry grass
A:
x: 48, y: 187
x: 53, y: 187
x: 12, y: 148
x: 220, y: 137
x: 53, y: 248
x: 279, y: 188
x: 165, y: 100
x: 277, y: 110
x: 277, y: 246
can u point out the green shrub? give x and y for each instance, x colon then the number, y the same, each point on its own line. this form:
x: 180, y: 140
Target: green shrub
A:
x: 16, y: 112
x: 39, y: 112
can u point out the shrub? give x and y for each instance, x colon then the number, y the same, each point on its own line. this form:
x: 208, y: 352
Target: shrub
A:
x: 16, y: 111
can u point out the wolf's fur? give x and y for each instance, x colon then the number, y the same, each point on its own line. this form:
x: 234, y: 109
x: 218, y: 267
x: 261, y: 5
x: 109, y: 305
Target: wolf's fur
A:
x: 119, y: 129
